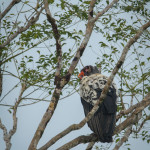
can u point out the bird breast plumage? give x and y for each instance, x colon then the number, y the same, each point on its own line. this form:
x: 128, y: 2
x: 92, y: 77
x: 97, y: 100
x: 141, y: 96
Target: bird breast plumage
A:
x: 91, y: 87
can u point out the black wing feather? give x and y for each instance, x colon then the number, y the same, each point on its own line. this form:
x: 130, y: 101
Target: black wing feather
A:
x: 103, y: 121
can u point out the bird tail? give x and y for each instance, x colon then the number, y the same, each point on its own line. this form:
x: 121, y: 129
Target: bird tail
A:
x: 103, y: 126
x: 102, y: 123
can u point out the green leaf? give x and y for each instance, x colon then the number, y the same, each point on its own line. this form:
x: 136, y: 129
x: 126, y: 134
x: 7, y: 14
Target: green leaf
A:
x: 122, y: 44
x: 117, y: 140
x: 62, y: 4
x: 9, y: 111
x: 26, y: 2
x: 50, y: 1
x: 148, y: 58
x: 87, y: 2
x: 103, y: 44
x: 142, y: 63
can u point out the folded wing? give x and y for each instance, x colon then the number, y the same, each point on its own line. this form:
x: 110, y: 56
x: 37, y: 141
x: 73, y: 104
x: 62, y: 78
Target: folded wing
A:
x: 103, y: 121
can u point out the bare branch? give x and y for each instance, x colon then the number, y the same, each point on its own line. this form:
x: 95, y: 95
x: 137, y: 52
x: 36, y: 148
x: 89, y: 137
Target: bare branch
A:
x: 1, y: 78
x: 8, y: 136
x: 105, y: 9
x: 58, y: 44
x: 77, y: 141
x: 124, y: 138
x: 22, y: 29
x: 90, y: 145
x: 126, y: 112
x: 47, y: 116
x: 11, y: 132
x: 142, y: 124
x: 134, y: 117
x: 55, y: 97
x: 92, y: 4
x: 88, y: 32
x: 14, y: 2
x: 5, y: 136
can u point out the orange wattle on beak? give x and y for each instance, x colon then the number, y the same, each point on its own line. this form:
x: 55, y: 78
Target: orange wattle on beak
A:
x: 81, y: 75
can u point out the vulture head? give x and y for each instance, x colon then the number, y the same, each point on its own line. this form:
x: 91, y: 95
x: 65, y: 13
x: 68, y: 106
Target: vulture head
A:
x: 87, y: 71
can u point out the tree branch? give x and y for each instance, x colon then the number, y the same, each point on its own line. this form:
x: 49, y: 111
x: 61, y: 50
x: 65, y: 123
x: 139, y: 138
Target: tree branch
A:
x: 55, y: 97
x: 124, y: 138
x: 46, y: 117
x: 22, y: 29
x: 11, y: 132
x: 142, y: 124
x: 14, y: 2
x: 58, y: 43
x: 1, y: 78
x: 77, y: 141
x: 7, y: 136
x: 134, y: 117
x: 88, y: 32
x: 126, y: 112
x: 90, y: 146
x: 92, y: 4
x: 105, y: 9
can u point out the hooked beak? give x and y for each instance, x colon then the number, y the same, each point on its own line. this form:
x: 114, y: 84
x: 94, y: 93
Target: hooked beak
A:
x: 81, y: 75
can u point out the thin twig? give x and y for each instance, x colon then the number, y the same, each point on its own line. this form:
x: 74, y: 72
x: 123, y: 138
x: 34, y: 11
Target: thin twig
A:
x: 7, y: 136
x: 105, y: 9
x: 90, y: 146
x: 124, y: 138
x: 14, y: 56
x: 129, y: 110
x: 14, y: 2
x: 134, y: 117
x: 21, y: 29
x: 142, y: 124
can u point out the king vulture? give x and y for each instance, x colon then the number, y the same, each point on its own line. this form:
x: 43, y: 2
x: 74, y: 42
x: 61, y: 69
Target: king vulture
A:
x: 104, y: 120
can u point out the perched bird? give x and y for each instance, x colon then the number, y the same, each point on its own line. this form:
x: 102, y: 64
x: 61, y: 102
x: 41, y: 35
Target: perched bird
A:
x: 104, y: 120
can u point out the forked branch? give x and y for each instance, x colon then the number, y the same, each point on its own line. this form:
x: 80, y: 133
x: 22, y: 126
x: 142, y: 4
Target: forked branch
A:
x: 105, y: 9
x: 8, y: 135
